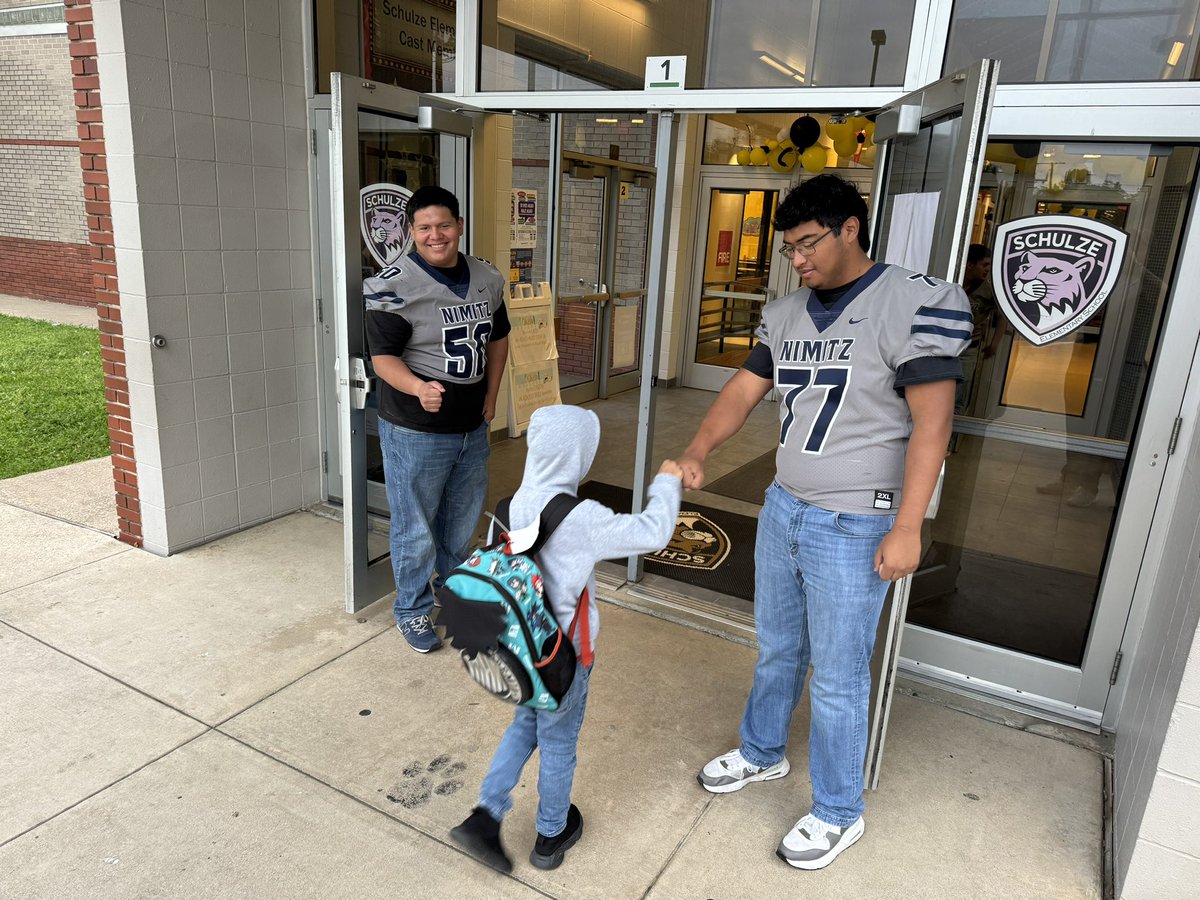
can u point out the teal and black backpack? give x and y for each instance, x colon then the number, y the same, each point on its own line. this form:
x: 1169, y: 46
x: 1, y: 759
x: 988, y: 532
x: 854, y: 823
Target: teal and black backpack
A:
x: 496, y: 612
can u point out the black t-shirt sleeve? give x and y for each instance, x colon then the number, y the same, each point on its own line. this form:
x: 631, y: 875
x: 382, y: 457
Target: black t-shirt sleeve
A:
x: 500, y: 323
x: 388, y: 333
x: 760, y: 362
x: 925, y: 369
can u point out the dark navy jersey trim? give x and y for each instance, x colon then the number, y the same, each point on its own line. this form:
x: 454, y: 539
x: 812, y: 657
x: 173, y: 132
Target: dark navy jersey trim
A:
x: 960, y: 315
x: 823, y: 317
x: 944, y: 332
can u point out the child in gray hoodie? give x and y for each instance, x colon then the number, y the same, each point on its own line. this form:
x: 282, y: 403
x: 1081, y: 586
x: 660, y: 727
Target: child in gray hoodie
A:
x: 562, y: 442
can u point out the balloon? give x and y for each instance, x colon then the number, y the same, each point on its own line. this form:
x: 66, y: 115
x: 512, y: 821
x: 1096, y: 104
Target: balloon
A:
x: 771, y: 144
x: 869, y: 128
x: 845, y: 146
x: 866, y: 156
x: 758, y: 156
x: 743, y: 157
x: 836, y: 129
x: 805, y: 132
x: 1026, y: 149
x: 858, y: 122
x: 813, y: 159
x: 784, y: 158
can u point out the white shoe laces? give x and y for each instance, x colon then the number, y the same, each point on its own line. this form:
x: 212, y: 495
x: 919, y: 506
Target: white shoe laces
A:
x: 814, y: 827
x: 420, y: 625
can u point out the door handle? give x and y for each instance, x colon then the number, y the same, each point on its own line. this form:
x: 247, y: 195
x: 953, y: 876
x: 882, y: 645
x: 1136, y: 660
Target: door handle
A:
x: 361, y: 384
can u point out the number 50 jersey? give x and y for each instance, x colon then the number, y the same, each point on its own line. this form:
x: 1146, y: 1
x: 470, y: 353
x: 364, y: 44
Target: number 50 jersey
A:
x: 843, y: 425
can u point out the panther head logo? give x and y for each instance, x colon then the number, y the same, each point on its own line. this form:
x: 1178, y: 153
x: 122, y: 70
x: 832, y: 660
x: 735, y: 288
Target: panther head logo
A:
x: 1055, y: 285
x: 389, y: 230
x: 1051, y: 274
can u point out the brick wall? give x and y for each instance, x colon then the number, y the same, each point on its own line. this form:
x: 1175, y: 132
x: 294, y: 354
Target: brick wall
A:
x: 89, y: 122
x: 44, y: 250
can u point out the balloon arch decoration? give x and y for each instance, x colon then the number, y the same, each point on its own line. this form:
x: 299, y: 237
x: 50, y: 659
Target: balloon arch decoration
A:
x: 800, y: 144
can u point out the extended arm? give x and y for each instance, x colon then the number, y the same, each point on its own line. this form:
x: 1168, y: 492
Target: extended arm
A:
x: 932, y: 409
x: 727, y: 414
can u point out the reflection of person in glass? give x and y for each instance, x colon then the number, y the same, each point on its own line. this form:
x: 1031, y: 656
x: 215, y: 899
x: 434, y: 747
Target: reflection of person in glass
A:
x: 988, y: 328
x: 438, y: 332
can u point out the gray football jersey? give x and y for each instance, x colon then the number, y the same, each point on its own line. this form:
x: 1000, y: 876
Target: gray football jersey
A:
x: 843, y: 429
x: 449, y: 333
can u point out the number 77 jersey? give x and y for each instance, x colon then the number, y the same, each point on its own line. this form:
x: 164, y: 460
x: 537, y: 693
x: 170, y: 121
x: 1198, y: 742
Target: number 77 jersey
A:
x: 843, y: 425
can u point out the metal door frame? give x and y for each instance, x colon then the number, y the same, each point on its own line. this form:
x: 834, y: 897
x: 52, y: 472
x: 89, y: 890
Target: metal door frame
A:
x: 367, y: 579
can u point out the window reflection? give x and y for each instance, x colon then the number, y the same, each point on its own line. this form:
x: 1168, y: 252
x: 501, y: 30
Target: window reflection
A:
x: 1076, y: 40
x: 603, y: 44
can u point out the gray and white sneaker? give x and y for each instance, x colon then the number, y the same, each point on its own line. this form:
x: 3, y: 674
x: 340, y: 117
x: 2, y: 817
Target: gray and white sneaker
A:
x: 813, y: 844
x: 731, y: 772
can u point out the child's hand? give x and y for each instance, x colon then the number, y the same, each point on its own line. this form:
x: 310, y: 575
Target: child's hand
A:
x: 670, y: 467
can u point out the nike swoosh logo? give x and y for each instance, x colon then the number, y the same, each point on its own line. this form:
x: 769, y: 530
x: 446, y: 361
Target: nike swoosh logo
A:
x: 482, y: 289
x: 856, y: 321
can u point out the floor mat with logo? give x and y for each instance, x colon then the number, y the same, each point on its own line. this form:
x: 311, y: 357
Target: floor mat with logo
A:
x: 712, y: 548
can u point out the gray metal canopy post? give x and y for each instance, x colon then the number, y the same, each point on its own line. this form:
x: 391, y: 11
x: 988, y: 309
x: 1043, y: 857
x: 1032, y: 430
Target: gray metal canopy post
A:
x: 660, y: 227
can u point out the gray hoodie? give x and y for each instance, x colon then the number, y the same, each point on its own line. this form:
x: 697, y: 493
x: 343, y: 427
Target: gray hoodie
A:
x: 562, y: 442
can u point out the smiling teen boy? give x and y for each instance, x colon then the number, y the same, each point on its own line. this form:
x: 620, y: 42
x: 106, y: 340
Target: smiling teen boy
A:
x: 438, y: 333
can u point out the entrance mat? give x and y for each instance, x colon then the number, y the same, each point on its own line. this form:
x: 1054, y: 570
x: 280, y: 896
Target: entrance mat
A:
x: 1030, y: 608
x: 711, y: 549
x: 748, y: 482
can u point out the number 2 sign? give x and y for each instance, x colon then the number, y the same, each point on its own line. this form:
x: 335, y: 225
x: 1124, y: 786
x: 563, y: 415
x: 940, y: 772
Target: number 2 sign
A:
x: 665, y: 73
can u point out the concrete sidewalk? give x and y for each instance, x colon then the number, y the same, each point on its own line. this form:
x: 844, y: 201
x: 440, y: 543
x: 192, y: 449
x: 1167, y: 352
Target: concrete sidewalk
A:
x: 213, y: 725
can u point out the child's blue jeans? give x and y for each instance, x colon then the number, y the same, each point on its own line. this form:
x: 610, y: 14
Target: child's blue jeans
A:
x: 555, y: 734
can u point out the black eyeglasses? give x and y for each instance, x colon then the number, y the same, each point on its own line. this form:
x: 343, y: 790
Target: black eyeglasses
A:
x: 805, y: 248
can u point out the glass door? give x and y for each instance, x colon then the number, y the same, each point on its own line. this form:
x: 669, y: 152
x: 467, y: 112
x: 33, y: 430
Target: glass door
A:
x: 1021, y: 584
x: 930, y: 159
x: 739, y: 271
x: 384, y: 143
x: 603, y: 237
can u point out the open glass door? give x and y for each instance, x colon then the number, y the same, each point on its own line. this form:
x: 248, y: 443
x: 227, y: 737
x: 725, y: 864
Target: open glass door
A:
x: 930, y: 159
x: 385, y: 142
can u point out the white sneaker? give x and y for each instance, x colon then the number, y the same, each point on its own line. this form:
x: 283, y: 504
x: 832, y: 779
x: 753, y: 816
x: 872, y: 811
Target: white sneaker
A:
x: 813, y: 844
x: 731, y: 772
x: 1083, y: 497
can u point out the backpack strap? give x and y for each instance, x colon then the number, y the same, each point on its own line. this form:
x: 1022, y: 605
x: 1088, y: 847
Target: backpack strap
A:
x: 551, y: 517
x: 586, y: 656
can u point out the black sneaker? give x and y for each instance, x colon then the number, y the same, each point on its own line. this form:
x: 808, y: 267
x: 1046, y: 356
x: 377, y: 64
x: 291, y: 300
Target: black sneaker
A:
x: 548, y: 852
x: 479, y: 835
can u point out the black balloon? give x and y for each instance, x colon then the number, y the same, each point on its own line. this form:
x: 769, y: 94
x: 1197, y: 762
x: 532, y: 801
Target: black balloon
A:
x: 804, y: 132
x: 1026, y: 149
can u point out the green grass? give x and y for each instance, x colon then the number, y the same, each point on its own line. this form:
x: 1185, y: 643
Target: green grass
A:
x: 51, y: 396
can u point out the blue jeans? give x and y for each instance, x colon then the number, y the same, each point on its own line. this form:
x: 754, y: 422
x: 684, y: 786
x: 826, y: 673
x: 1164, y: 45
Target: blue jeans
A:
x: 555, y: 735
x: 436, y: 485
x: 816, y: 599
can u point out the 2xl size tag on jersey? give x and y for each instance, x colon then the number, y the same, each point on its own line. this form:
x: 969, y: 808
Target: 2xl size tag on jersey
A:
x: 883, y: 499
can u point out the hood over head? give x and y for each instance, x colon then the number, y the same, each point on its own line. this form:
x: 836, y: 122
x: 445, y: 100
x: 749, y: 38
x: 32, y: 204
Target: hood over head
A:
x: 561, y: 442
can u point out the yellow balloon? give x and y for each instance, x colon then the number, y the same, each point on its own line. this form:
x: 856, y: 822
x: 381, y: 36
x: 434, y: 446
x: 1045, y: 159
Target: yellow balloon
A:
x: 758, y: 156
x: 813, y: 159
x: 783, y: 159
x: 743, y: 157
x: 771, y: 144
x: 859, y: 122
x: 869, y: 128
x: 836, y: 130
x: 845, y: 146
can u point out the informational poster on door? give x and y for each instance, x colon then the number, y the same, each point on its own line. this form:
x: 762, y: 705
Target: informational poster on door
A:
x: 532, y: 354
x: 724, y: 248
x: 524, y: 218
x: 624, y: 339
x: 520, y: 264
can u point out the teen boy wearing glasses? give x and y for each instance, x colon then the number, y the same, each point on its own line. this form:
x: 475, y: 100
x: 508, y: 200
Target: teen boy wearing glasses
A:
x: 864, y: 356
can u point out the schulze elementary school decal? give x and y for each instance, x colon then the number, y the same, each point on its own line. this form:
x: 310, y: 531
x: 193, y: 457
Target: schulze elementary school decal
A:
x: 698, y: 543
x: 383, y: 222
x: 1053, y: 273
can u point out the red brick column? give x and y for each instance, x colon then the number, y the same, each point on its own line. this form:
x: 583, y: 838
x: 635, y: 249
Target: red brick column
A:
x: 90, y: 121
